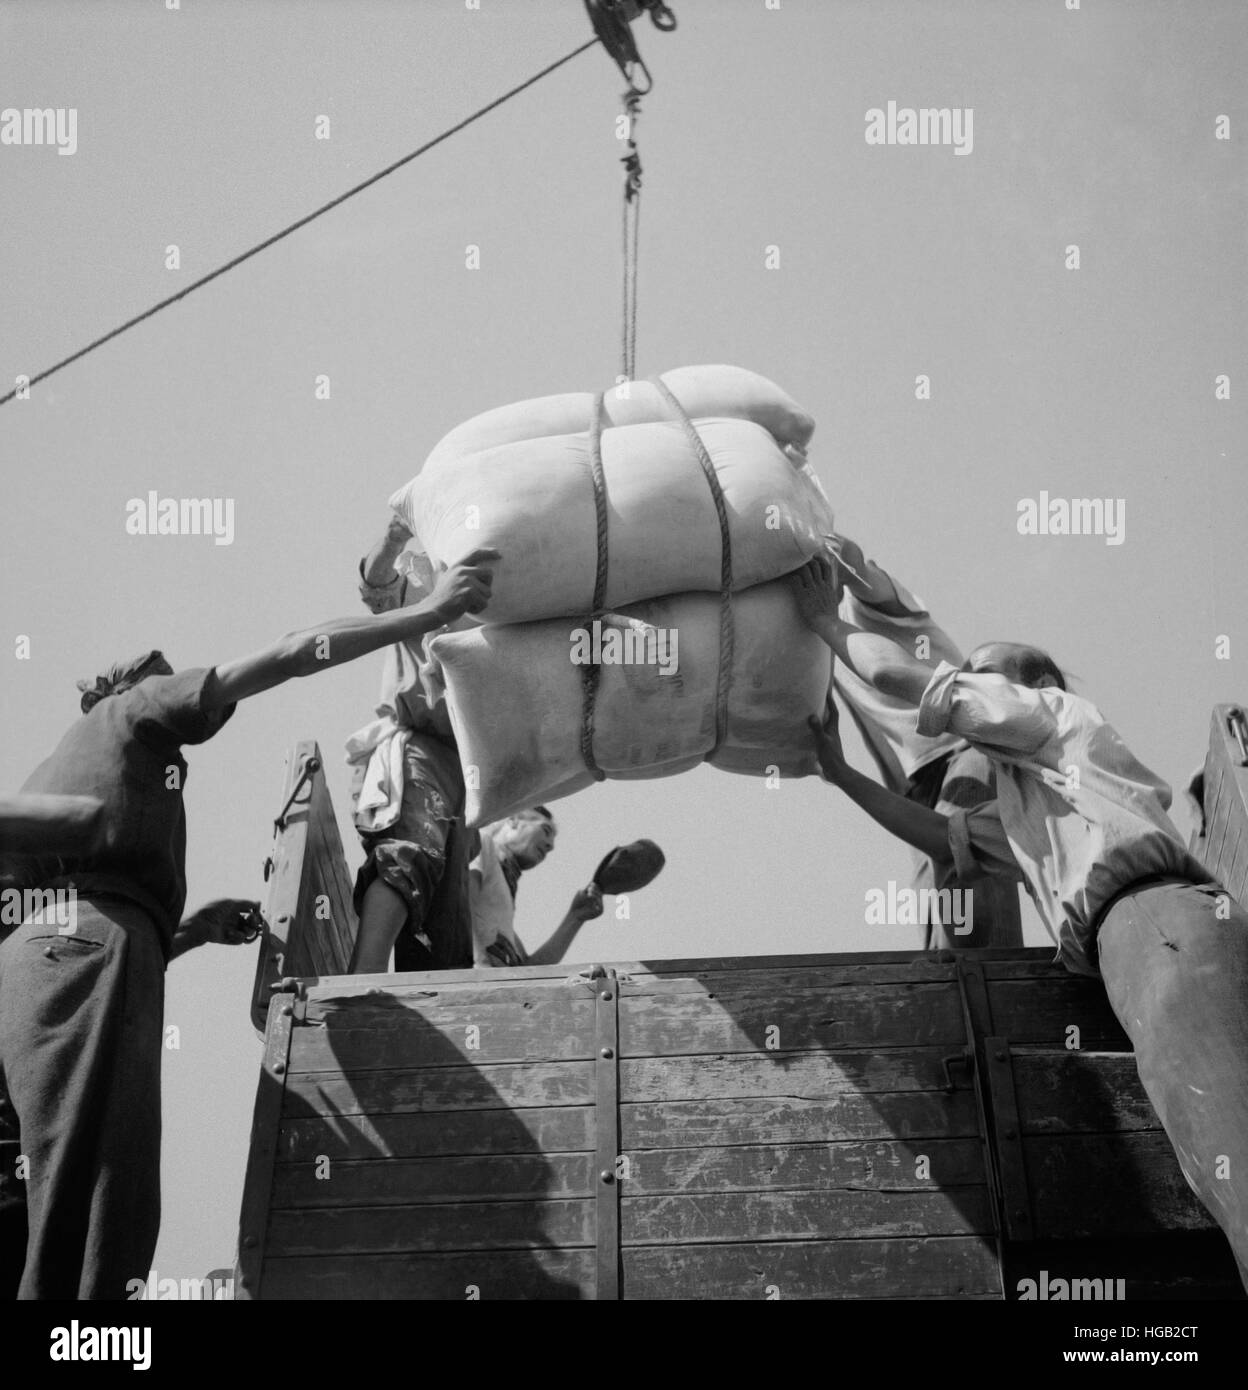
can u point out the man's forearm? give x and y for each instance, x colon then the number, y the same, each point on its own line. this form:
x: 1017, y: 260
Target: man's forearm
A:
x: 877, y: 660
x: 553, y: 950
x: 925, y: 829
x: 188, y: 936
x: 317, y: 649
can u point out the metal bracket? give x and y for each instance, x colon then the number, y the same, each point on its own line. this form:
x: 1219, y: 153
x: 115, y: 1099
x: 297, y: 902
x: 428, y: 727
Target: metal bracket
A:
x: 1239, y: 729
x: 1008, y: 1141
x: 309, y: 770
x: 607, y: 1126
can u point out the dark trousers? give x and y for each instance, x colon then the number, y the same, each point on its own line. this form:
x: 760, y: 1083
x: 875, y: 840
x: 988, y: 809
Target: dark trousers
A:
x: 81, y: 1015
x: 1174, y: 958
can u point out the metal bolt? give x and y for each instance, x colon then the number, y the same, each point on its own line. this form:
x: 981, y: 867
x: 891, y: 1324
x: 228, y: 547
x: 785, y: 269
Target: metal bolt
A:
x: 607, y: 997
x: 279, y: 1067
x: 607, y: 1176
x: 288, y: 1010
x: 49, y: 952
x: 249, y: 1242
x: 606, y: 1052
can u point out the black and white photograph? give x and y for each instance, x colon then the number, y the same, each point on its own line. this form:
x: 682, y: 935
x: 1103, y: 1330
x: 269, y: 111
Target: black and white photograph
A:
x: 624, y: 666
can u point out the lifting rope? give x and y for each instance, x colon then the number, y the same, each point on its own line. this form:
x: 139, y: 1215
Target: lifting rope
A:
x: 295, y: 226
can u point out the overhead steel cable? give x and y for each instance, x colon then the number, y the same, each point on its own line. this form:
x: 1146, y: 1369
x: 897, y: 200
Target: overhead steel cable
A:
x: 294, y: 226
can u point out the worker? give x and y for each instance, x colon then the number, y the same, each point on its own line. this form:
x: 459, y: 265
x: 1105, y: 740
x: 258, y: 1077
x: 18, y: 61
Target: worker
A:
x: 81, y: 1012
x: 508, y: 848
x: 411, y: 893
x: 1085, y: 824
x: 944, y: 772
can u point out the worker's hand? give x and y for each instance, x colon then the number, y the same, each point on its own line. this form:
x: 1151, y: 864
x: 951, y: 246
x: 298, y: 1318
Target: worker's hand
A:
x: 828, y: 747
x: 398, y: 533
x: 226, y: 921
x: 586, y: 904
x: 817, y: 590
x: 465, y: 587
x: 854, y: 564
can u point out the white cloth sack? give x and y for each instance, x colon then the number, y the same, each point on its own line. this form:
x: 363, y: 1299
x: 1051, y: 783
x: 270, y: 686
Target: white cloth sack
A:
x: 515, y: 698
x: 519, y: 479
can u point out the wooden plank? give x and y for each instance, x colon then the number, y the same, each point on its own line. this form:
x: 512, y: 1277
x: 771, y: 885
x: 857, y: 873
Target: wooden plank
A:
x: 263, y: 1150
x: 334, y: 882
x: 695, y: 1218
x: 369, y: 1040
x: 1038, y: 1011
x: 942, y: 1267
x: 441, y: 1088
x: 565, y: 1130
x: 527, y: 1274
x: 881, y: 1016
x: 410, y: 1182
x: 451, y: 1226
x: 891, y: 1165
x: 799, y: 1074
x: 1081, y: 1092
x: 397, y: 1005
x: 1095, y: 1185
x: 781, y: 1120
x: 779, y: 978
x: 1180, y: 1266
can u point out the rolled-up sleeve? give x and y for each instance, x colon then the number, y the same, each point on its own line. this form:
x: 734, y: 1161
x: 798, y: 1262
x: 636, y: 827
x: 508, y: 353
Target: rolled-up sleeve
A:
x: 381, y: 598
x: 986, y: 710
x: 979, y: 846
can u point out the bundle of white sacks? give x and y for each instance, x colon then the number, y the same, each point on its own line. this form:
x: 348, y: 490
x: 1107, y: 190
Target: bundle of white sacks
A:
x: 519, y: 479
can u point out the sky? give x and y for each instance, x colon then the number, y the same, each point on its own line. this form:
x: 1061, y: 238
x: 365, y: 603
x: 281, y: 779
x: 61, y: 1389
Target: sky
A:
x: 1093, y: 128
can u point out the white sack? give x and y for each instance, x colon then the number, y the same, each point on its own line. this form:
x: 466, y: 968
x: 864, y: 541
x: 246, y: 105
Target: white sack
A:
x: 515, y: 698
x: 501, y: 481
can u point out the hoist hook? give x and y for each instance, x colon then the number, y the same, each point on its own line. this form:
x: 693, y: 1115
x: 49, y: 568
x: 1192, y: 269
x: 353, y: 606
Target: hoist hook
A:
x: 611, y: 20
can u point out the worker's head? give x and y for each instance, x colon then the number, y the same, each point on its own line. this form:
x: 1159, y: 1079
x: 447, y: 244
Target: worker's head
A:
x: 528, y: 836
x: 1017, y: 662
x: 122, y: 676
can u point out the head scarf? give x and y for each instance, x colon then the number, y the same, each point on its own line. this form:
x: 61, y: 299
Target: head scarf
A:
x: 121, y: 676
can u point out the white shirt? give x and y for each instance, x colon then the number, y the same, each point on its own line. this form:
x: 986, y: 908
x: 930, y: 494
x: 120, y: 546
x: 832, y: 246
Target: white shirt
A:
x: 1084, y: 818
x: 889, y: 726
x: 493, y: 911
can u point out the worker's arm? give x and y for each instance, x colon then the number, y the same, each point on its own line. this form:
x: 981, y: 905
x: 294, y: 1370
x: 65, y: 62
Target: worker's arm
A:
x: 464, y: 588
x: 380, y: 587
x: 226, y: 921
x: 43, y: 823
x: 586, y: 905
x: 877, y: 660
x: 925, y: 829
x: 866, y: 580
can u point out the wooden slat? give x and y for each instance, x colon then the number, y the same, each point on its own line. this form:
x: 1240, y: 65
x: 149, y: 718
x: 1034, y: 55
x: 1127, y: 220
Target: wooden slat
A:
x: 550, y: 1031
x: 1080, y: 1092
x: 564, y: 1130
x: 457, y: 1226
x: 409, y: 1182
x: 1109, y: 1185
x: 1178, y: 1266
x: 396, y: 1004
x: 797, y: 1074
x: 881, y: 1016
x: 333, y: 880
x: 441, y: 1088
x: 780, y: 1120
x: 1039, y: 1011
x: 879, y: 1165
x: 943, y: 1267
x: 780, y: 979
x: 530, y: 1274
x: 686, y: 1219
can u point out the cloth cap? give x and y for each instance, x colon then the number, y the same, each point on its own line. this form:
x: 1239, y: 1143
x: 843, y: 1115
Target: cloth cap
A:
x: 122, y: 675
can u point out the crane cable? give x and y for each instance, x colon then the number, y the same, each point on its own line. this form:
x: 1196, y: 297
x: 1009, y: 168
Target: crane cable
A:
x: 24, y: 387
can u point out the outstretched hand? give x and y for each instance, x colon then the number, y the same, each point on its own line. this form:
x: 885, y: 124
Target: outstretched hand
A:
x: 225, y: 921
x: 586, y: 904
x: 465, y: 586
x: 817, y: 588
x: 828, y: 747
